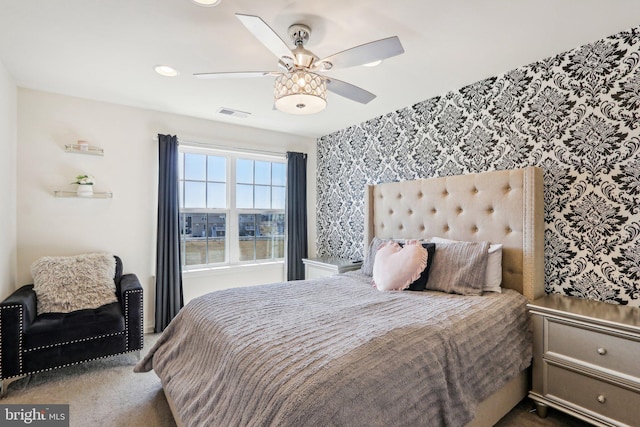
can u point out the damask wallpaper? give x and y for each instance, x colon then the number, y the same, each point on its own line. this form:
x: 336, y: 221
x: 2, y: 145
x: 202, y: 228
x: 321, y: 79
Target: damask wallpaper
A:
x: 576, y: 115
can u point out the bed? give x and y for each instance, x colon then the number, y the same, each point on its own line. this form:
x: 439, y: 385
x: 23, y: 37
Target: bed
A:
x: 336, y: 351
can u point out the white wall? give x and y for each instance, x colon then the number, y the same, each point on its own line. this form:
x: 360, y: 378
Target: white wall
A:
x: 8, y: 146
x: 196, y: 283
x: 126, y: 224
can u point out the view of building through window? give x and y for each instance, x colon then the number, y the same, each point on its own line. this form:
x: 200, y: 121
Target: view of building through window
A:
x: 232, y: 208
x: 261, y: 236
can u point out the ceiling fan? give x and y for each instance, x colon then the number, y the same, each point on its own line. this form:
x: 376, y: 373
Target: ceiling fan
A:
x: 300, y: 88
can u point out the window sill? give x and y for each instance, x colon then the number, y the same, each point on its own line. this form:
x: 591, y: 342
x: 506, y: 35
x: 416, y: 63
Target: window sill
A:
x: 204, y: 271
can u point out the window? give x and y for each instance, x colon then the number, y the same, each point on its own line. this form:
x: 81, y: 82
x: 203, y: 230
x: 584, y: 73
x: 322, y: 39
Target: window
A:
x: 231, y: 208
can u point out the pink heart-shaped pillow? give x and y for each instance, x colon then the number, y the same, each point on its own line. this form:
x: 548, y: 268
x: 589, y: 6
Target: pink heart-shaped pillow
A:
x: 396, y: 267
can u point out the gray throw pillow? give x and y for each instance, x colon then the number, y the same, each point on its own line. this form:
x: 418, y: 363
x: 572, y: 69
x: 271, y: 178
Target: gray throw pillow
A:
x: 370, y: 256
x: 459, y: 268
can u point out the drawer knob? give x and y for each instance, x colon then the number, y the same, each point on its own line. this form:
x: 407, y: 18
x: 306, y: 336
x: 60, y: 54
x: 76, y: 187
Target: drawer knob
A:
x: 601, y: 398
x: 602, y: 351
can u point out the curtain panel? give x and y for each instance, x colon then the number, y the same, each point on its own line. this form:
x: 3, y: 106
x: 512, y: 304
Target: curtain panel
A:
x: 296, y: 211
x: 169, y: 298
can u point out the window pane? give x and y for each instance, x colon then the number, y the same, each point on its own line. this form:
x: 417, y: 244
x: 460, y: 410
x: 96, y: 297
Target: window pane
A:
x: 195, y: 166
x: 263, y: 173
x: 278, y: 173
x: 216, y: 169
x: 246, y: 225
x: 270, y: 239
x: 244, y: 196
x: 277, y: 197
x: 246, y: 235
x: 182, y: 222
x: 263, y: 197
x: 194, y: 235
x: 180, y: 165
x: 216, y: 243
x: 182, y: 225
x: 216, y: 195
x: 194, y: 194
x: 244, y: 171
x: 278, y: 251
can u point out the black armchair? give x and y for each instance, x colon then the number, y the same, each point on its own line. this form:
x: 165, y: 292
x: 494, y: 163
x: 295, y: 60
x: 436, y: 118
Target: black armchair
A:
x: 30, y: 343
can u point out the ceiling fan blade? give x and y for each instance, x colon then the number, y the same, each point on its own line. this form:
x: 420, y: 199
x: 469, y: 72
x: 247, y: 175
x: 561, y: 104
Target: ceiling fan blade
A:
x: 365, y: 53
x: 265, y: 34
x: 349, y: 91
x: 235, y: 75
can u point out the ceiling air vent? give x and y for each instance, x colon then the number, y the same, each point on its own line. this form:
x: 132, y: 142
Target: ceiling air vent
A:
x: 234, y: 113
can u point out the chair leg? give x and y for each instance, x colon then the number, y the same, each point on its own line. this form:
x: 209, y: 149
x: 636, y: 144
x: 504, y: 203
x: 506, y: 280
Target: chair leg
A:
x: 4, y: 385
x: 138, y: 355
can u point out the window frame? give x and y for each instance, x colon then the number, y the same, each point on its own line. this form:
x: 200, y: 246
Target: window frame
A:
x: 232, y: 226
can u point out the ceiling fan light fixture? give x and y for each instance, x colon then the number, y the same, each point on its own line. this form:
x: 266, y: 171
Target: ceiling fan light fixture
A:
x: 166, y: 71
x: 207, y: 3
x: 300, y: 92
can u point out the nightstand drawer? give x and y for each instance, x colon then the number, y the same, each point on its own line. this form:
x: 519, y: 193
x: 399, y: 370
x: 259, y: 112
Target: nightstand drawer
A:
x: 593, y: 395
x: 594, y: 347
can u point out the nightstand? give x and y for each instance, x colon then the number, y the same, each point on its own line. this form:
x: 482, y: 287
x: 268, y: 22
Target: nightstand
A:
x: 586, y: 359
x: 328, y: 266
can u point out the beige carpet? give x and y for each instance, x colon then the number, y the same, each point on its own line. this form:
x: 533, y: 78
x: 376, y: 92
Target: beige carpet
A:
x: 102, y: 392
x: 108, y: 393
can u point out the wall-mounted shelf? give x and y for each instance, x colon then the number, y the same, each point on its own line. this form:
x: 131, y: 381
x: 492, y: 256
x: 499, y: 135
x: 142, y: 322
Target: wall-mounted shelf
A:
x: 84, y: 149
x: 74, y: 194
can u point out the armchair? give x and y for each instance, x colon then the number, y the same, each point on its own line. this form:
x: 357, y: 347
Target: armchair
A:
x: 31, y: 343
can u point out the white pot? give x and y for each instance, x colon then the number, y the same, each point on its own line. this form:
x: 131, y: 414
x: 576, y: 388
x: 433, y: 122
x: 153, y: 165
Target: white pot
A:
x: 85, y: 190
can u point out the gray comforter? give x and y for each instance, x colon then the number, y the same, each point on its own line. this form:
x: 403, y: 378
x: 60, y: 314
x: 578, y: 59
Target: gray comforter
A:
x: 337, y: 352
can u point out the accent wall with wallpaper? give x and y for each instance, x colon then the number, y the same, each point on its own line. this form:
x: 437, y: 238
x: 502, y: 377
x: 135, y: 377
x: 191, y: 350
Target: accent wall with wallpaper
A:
x: 576, y: 115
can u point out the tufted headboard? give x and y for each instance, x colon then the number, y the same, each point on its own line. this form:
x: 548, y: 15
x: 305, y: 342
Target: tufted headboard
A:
x: 499, y: 206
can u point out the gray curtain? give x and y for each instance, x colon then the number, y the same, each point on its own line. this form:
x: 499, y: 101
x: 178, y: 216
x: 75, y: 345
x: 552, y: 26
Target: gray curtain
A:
x: 169, y: 298
x: 296, y: 207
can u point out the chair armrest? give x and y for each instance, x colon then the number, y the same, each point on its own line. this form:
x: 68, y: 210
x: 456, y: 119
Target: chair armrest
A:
x: 17, y: 312
x: 24, y: 297
x: 128, y: 283
x: 130, y: 297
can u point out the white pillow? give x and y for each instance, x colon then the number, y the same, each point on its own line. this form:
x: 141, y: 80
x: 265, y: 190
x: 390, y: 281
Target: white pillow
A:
x: 493, y: 276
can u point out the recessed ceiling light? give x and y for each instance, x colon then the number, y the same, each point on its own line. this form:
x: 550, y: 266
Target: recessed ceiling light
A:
x: 373, y: 64
x: 165, y: 70
x: 207, y: 3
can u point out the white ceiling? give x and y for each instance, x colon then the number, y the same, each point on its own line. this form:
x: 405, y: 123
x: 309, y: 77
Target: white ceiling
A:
x: 106, y: 49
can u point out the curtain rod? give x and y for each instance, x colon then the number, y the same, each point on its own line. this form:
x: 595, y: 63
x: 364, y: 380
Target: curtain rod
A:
x: 228, y: 148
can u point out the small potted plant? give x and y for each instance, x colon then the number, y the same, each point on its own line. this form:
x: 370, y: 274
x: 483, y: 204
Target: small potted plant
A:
x: 85, y: 185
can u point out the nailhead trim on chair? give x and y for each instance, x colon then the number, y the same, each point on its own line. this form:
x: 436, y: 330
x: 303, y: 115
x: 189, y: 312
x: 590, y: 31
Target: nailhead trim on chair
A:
x: 68, y: 364
x: 126, y: 320
x: 126, y: 317
x: 20, y: 339
x: 74, y: 341
x: 141, y: 320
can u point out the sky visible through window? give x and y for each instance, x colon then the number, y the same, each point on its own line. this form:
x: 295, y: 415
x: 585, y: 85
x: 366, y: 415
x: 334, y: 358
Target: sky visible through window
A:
x: 259, y: 184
